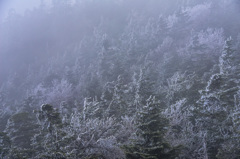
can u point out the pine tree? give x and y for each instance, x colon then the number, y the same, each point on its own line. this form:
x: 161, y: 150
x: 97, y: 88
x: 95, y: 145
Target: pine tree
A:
x: 217, y: 102
x: 144, y: 86
x: 21, y: 128
x: 5, y: 144
x: 118, y: 105
x: 152, y: 126
x: 51, y: 139
x: 226, y: 59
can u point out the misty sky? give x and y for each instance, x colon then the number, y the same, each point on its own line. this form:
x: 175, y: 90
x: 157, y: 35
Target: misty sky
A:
x: 18, y: 5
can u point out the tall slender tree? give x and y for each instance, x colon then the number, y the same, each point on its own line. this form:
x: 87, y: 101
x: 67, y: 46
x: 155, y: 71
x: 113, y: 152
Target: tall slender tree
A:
x: 152, y: 126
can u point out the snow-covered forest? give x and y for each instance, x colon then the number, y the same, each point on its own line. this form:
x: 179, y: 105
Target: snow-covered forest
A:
x: 121, y: 79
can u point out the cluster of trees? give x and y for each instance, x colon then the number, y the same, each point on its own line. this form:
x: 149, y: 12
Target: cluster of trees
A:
x: 121, y: 79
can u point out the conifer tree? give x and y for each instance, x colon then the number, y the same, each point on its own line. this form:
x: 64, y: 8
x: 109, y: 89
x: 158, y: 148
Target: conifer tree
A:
x: 51, y: 139
x: 217, y: 102
x: 118, y: 105
x: 20, y: 128
x: 5, y: 144
x: 152, y: 126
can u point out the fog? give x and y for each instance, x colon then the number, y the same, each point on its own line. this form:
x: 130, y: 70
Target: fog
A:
x: 96, y: 65
x: 17, y: 6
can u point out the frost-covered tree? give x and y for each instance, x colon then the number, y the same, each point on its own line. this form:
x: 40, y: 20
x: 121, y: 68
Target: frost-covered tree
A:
x: 217, y: 103
x: 94, y: 138
x: 5, y: 145
x: 100, y: 61
x: 118, y: 106
x: 51, y: 138
x: 152, y: 127
x: 21, y: 128
x: 230, y: 149
x: 184, y: 131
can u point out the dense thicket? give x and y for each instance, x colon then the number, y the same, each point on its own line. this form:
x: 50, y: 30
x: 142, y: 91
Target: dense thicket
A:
x: 117, y: 79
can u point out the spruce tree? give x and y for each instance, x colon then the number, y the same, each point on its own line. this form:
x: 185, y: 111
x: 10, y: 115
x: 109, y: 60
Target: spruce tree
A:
x: 217, y: 102
x: 118, y: 105
x: 20, y: 129
x: 152, y: 126
x: 5, y: 144
x: 51, y: 139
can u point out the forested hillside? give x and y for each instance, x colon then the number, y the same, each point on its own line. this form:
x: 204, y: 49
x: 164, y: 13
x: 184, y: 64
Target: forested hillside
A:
x: 121, y: 79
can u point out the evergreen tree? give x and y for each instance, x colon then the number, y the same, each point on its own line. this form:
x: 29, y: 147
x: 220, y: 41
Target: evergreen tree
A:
x: 152, y: 126
x: 5, y: 144
x: 217, y: 102
x: 227, y: 57
x: 51, y: 139
x: 21, y: 128
x: 143, y: 86
x: 118, y: 105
